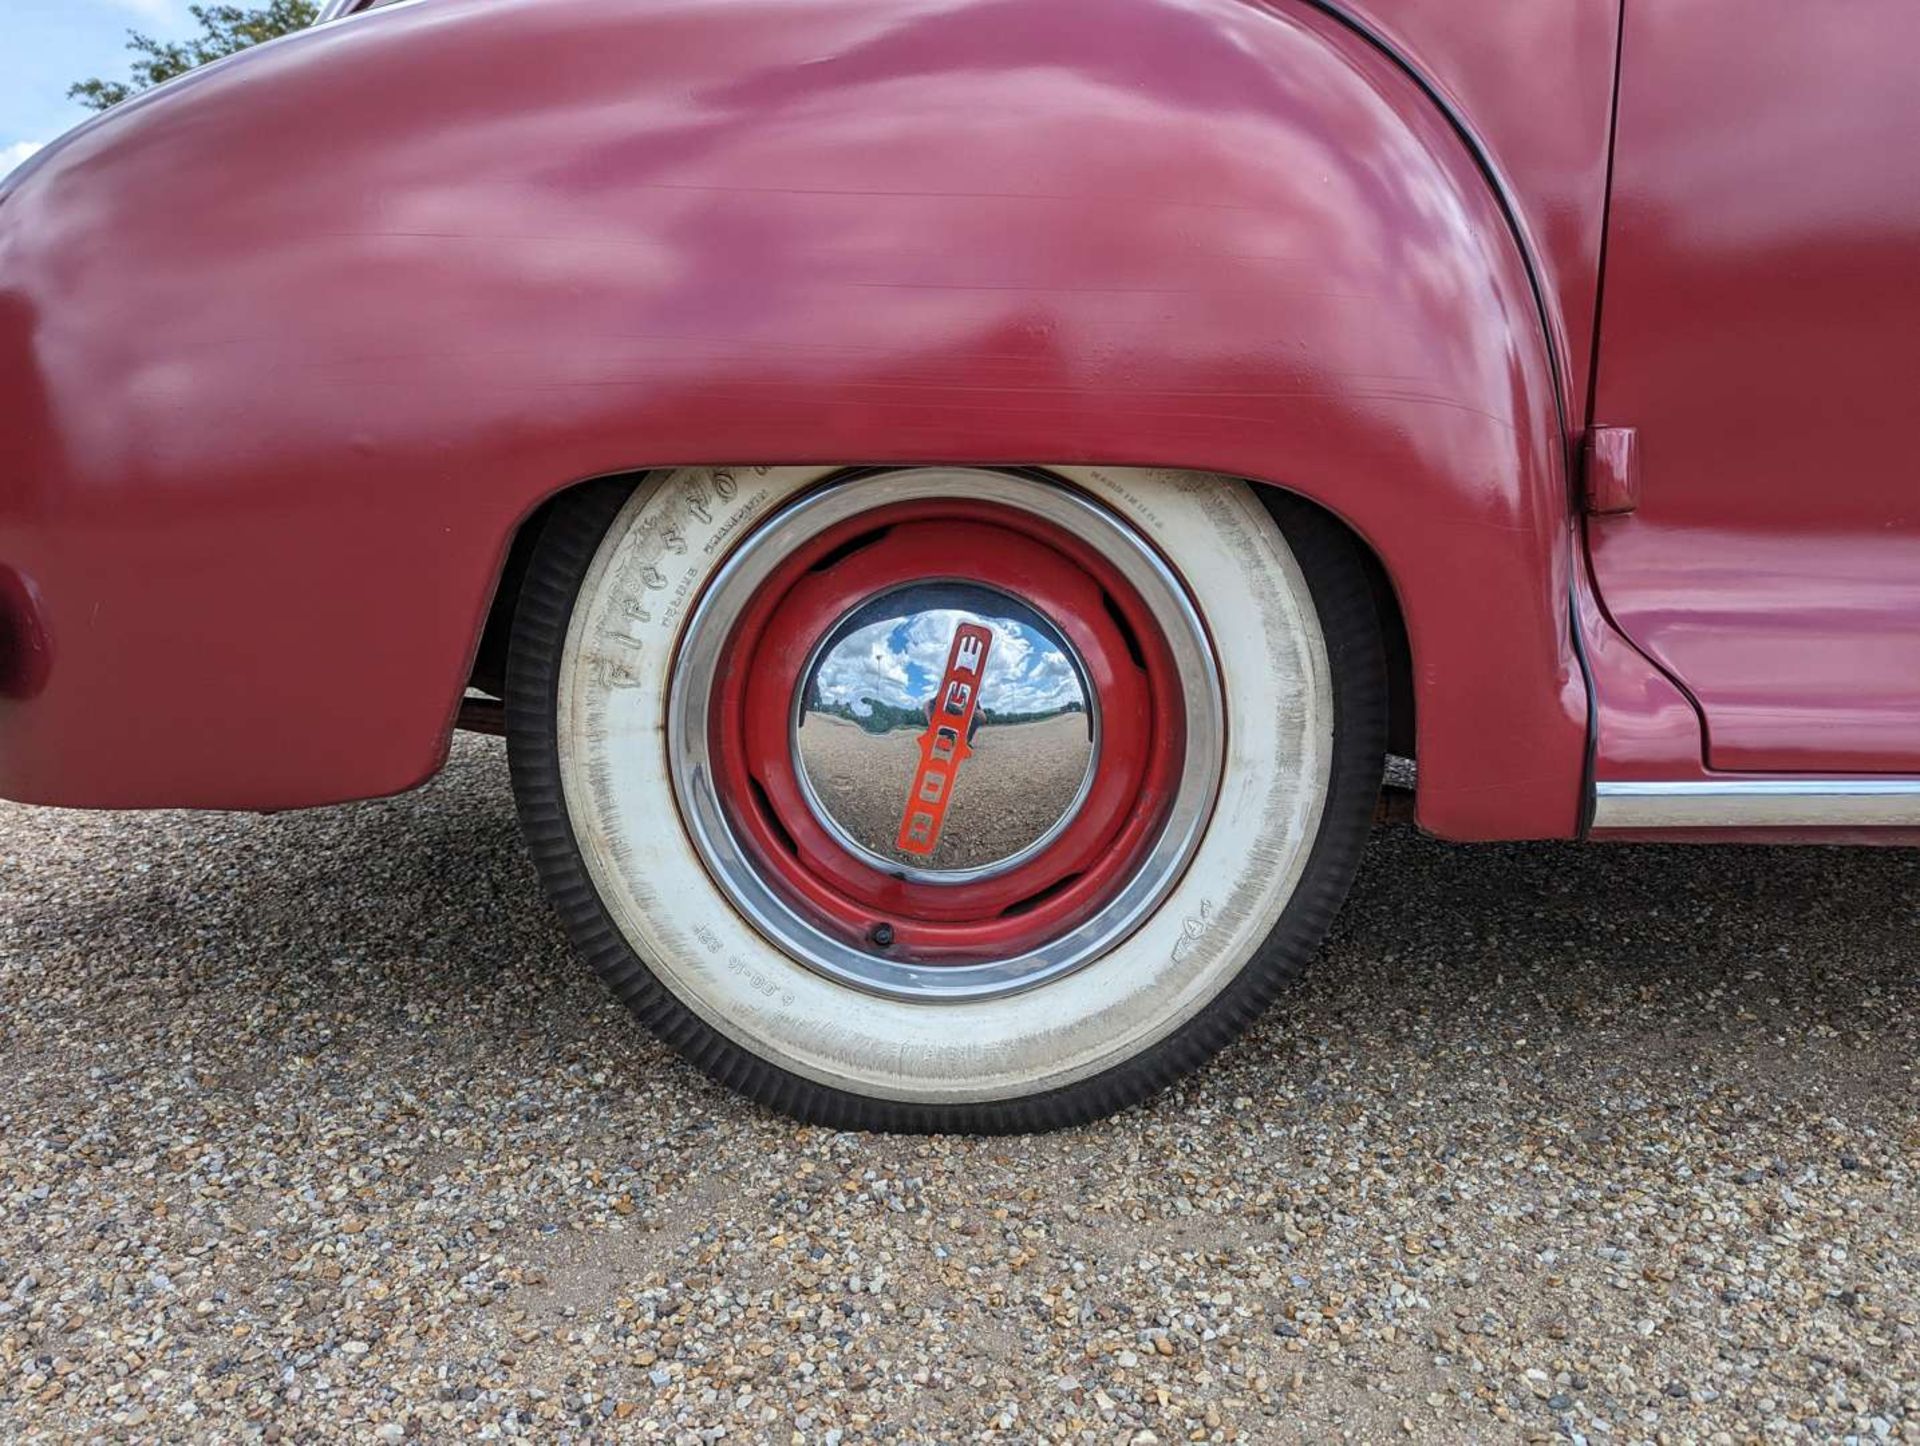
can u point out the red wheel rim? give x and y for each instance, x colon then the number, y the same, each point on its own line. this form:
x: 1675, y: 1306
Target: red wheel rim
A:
x: 1121, y: 652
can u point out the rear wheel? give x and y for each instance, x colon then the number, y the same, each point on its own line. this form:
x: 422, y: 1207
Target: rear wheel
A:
x: 944, y: 799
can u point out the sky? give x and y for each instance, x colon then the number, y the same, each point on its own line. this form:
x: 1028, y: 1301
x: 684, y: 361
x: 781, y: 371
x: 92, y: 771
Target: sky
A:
x: 902, y: 663
x: 47, y: 45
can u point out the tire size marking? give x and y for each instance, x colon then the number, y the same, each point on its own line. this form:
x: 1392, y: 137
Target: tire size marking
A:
x: 758, y: 982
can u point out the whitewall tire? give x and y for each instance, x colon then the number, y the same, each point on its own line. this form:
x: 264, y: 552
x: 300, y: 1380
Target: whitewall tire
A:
x: 1184, y: 717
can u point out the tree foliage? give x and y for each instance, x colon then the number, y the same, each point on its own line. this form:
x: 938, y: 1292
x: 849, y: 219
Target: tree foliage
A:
x: 223, y: 30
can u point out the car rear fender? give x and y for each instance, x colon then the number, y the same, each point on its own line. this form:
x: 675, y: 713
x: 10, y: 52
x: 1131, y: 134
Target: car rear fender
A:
x: 288, y: 352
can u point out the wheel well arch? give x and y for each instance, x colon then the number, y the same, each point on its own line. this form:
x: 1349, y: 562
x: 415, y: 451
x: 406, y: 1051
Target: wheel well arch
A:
x: 1276, y: 260
x: 488, y: 673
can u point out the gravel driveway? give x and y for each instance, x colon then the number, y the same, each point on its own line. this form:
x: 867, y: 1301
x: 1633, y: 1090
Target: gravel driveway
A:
x: 310, y: 1126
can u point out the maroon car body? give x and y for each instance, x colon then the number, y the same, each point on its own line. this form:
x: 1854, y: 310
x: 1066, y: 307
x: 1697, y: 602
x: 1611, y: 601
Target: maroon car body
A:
x: 1597, y: 327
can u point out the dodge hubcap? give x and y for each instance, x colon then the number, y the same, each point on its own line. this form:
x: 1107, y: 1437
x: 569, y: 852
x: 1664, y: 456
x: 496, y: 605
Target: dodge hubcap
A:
x: 945, y: 733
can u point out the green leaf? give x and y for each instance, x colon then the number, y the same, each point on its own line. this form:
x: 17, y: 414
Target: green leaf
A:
x: 224, y: 29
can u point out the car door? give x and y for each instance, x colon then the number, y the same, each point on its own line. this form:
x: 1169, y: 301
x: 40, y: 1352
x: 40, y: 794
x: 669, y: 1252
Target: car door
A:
x: 1760, y: 330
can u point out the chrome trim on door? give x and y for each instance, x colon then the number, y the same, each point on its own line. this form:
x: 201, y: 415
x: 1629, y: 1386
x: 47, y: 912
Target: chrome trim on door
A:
x: 1760, y: 803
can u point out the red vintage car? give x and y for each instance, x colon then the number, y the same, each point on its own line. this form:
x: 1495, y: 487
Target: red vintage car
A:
x: 953, y: 501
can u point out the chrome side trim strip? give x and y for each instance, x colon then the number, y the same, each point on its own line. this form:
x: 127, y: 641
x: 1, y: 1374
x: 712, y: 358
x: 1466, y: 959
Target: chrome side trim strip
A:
x: 1760, y: 803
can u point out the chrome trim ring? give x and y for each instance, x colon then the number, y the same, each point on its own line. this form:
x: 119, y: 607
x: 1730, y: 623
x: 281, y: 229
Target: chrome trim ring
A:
x: 1759, y: 803
x: 1052, y: 759
x: 702, y: 652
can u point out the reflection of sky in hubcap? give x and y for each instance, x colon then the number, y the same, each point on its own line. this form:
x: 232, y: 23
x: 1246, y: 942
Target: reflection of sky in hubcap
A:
x: 900, y: 661
x: 864, y: 706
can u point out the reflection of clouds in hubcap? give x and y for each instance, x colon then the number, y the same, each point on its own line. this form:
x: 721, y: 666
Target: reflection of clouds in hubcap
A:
x: 899, y: 662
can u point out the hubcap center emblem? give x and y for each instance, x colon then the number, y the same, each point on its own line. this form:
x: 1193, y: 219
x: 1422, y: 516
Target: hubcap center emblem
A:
x: 944, y: 746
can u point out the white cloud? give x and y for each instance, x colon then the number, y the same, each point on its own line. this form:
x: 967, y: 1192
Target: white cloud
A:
x: 885, y: 661
x: 13, y: 155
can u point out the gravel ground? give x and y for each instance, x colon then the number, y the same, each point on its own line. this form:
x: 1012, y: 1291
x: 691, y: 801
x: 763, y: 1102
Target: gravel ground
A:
x: 312, y: 1129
